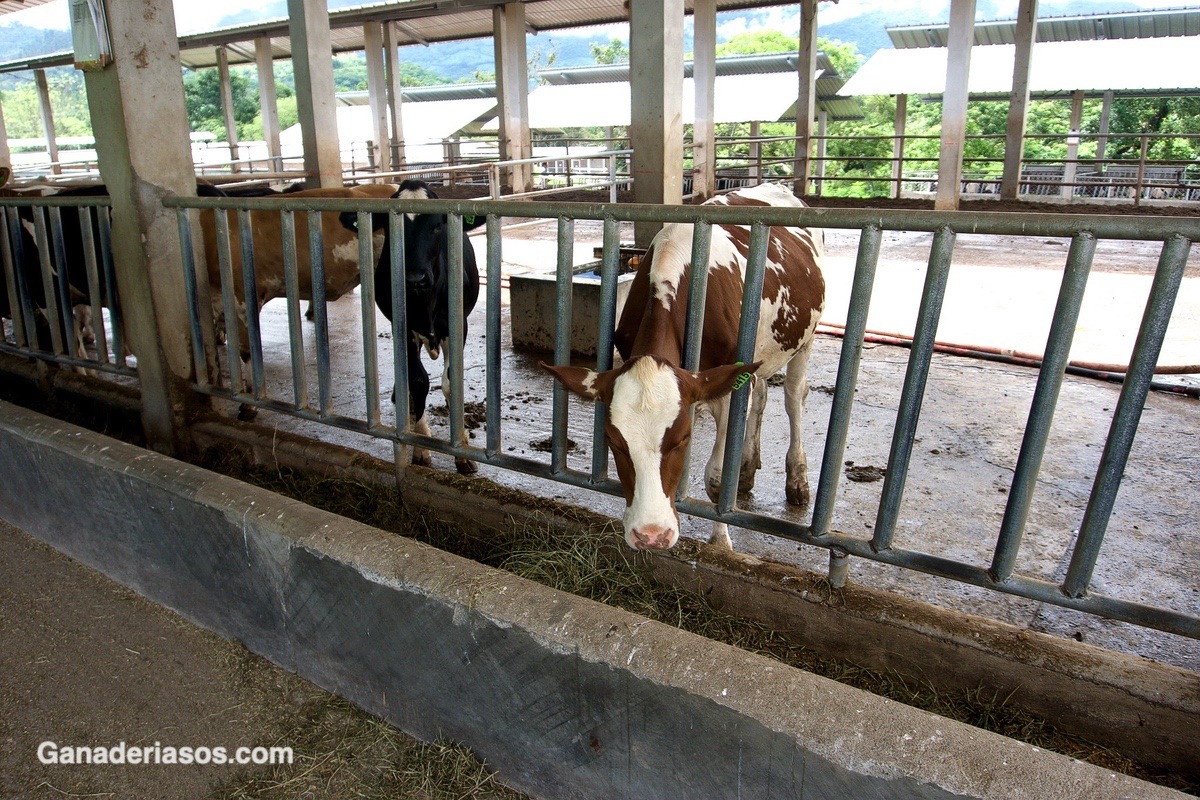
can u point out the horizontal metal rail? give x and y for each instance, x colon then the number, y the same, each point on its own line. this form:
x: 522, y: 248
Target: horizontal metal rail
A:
x: 1075, y: 592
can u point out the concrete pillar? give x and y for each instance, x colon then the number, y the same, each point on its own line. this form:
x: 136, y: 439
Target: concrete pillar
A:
x: 656, y: 97
x: 312, y: 57
x: 704, y: 77
x: 47, y: 114
x: 512, y: 92
x: 755, y: 151
x: 231, y: 135
x: 1018, y: 100
x: 268, y: 103
x: 138, y: 101
x: 1072, y: 162
x: 1105, y: 120
x: 806, y: 101
x: 377, y: 92
x: 898, y: 145
x: 394, y: 96
x: 954, y: 104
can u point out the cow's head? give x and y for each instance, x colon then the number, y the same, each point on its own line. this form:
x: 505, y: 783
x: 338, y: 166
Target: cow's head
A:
x: 648, y: 428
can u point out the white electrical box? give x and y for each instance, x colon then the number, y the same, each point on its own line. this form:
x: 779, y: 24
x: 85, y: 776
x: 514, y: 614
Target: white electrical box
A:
x: 89, y: 32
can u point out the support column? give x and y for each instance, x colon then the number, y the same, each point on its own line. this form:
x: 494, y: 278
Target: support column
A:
x: 394, y: 96
x: 954, y: 104
x: 377, y: 92
x: 47, y: 114
x: 806, y: 101
x: 231, y: 135
x: 898, y: 145
x: 1018, y: 100
x: 755, y: 151
x: 822, y: 127
x: 312, y: 57
x: 135, y: 101
x: 704, y: 77
x: 1105, y: 121
x: 1070, y: 167
x: 267, y: 100
x: 512, y: 92
x: 656, y: 95
x: 5, y: 153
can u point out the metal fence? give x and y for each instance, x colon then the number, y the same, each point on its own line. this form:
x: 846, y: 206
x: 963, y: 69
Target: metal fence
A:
x: 60, y: 298
x: 1074, y: 591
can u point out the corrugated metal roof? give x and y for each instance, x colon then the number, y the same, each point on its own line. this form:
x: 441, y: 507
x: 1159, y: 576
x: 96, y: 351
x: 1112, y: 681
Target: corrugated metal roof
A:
x: 1127, y: 67
x: 420, y: 22
x: 9, y: 6
x: 1120, y: 25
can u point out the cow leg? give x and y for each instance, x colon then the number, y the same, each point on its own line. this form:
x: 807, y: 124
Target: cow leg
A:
x: 465, y: 466
x: 246, y: 412
x: 311, y: 314
x: 418, y: 394
x: 795, y: 393
x: 752, y: 449
x: 720, y: 536
x: 716, y: 461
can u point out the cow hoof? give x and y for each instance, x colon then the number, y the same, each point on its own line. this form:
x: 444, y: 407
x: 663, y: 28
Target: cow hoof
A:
x: 420, y: 458
x: 465, y: 466
x: 246, y: 412
x: 713, y: 489
x: 746, y: 479
x: 798, y: 495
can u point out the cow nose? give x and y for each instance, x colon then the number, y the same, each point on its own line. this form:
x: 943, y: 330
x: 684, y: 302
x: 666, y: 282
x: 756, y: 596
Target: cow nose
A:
x: 650, y: 537
x: 419, y: 282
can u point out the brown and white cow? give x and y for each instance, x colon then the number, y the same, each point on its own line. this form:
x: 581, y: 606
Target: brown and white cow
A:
x: 650, y: 395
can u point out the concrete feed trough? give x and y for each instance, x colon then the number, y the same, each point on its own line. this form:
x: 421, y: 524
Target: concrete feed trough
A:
x: 565, y: 697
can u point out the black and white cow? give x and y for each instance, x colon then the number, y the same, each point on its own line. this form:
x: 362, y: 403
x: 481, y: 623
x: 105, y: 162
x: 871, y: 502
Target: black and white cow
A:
x: 427, y: 306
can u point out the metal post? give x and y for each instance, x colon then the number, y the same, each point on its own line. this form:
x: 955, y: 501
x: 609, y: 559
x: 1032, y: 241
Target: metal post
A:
x: 604, y: 338
x: 1018, y: 99
x: 226, y: 88
x: 954, y: 105
x: 898, y: 145
x: 47, y: 114
x: 562, y: 341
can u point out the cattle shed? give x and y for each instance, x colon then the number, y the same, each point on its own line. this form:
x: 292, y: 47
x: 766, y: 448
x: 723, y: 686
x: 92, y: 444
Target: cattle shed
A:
x: 971, y: 525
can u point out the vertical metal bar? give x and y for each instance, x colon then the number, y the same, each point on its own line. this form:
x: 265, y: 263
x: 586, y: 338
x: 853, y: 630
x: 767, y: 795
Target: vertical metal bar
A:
x: 291, y: 288
x: 493, y: 332
x: 48, y: 288
x: 397, y: 287
x: 1045, y: 398
x: 366, y: 269
x: 95, y: 300
x: 316, y: 262
x: 735, y: 436
x: 909, y: 413
x: 847, y: 379
x: 562, y: 341
x: 694, y: 326
x: 250, y: 288
x: 229, y: 301
x: 62, y: 286
x: 604, y: 339
x: 1163, y: 291
x: 199, y: 357
x: 454, y: 354
x: 112, y: 295
x: 25, y: 304
x: 10, y: 256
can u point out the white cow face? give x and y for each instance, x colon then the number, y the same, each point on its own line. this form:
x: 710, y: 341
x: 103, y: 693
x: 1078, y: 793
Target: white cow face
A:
x: 648, y: 429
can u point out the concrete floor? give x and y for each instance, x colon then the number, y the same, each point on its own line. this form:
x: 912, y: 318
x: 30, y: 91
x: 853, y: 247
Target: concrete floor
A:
x: 1001, y: 293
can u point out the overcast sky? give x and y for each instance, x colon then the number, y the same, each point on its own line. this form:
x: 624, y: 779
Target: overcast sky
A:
x: 192, y: 16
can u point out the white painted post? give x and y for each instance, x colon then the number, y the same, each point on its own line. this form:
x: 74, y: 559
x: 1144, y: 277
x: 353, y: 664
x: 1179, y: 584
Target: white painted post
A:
x: 806, y: 101
x: 267, y: 100
x: 47, y: 114
x: 394, y: 96
x: 954, y: 104
x: 898, y: 145
x: 656, y: 95
x: 704, y: 76
x: 377, y: 92
x: 1070, y: 167
x: 822, y: 129
x: 1105, y: 121
x: 312, y: 58
x: 5, y: 153
x: 226, y: 87
x: 512, y: 92
x: 1018, y: 99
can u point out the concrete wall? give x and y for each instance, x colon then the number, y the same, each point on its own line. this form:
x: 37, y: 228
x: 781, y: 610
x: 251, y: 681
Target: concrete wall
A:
x: 566, y: 697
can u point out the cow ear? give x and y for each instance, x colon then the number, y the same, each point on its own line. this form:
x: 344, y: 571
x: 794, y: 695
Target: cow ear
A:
x: 580, y: 380
x: 470, y: 223
x: 717, y: 382
x: 349, y: 220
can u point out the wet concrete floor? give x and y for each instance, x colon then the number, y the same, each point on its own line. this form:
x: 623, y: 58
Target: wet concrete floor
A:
x: 1001, y: 293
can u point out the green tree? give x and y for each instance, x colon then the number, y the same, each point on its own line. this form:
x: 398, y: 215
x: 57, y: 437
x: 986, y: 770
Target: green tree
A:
x: 202, y: 93
x: 615, y: 52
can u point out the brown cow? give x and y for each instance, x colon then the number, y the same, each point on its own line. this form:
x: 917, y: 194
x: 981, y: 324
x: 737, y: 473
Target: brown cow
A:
x: 340, y: 253
x: 650, y: 396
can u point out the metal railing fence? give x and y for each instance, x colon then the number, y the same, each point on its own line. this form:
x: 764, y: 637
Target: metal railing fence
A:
x: 1074, y: 592
x: 47, y: 287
